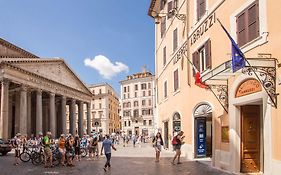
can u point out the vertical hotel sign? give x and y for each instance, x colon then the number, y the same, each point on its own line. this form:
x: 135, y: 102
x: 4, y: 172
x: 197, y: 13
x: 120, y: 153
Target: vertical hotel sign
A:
x: 203, y: 28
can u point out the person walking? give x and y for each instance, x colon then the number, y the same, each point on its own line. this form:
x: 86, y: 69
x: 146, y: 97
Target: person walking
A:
x: 157, y: 144
x: 106, y: 145
x: 77, y: 144
x: 70, y: 150
x: 47, y: 150
x: 177, y: 142
x: 62, y: 149
x: 16, y: 144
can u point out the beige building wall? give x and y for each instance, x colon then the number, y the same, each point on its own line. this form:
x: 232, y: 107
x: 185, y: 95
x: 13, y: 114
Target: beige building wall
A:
x: 225, y: 155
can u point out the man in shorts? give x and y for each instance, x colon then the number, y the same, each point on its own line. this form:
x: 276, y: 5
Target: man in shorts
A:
x: 47, y: 150
x: 16, y: 144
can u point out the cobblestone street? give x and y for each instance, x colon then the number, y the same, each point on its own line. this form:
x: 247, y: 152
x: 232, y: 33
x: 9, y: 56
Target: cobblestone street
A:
x: 128, y: 160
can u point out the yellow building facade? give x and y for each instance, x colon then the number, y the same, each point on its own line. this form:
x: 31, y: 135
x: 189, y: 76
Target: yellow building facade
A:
x: 235, y: 121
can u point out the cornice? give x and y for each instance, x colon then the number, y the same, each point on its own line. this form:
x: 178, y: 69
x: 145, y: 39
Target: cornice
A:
x: 151, y: 7
x: 14, y: 47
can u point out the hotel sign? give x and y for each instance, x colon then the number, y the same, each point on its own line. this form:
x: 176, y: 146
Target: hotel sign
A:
x: 204, y: 27
x: 248, y: 87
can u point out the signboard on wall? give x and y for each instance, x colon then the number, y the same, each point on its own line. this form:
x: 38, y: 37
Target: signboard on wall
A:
x: 248, y: 87
x: 201, y: 137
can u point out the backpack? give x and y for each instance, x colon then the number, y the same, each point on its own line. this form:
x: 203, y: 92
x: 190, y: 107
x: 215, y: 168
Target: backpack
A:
x: 174, y: 141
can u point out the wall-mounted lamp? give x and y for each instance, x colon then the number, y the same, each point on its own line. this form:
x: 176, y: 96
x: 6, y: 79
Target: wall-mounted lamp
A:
x: 158, y: 16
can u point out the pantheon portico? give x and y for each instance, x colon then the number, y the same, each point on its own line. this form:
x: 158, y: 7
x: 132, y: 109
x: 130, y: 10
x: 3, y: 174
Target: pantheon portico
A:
x: 35, y: 92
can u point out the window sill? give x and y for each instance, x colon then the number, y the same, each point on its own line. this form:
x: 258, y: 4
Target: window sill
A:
x: 255, y: 43
x: 176, y: 92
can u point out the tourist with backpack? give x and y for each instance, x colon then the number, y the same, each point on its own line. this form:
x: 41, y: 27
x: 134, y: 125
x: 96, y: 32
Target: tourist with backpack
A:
x: 157, y: 144
x: 47, y: 150
x: 177, y: 142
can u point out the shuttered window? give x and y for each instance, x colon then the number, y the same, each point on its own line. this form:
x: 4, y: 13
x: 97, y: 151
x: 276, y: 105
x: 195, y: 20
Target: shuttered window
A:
x: 165, y: 89
x: 201, y: 58
x: 162, y: 4
x: 163, y: 26
x: 247, y: 23
x: 164, y: 56
x: 175, y: 40
x: 176, y: 80
x: 170, y: 8
x: 201, y: 8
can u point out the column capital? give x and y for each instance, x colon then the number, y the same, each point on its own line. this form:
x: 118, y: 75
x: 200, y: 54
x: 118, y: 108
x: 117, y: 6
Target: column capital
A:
x: 73, y: 100
x: 39, y: 91
x: 23, y: 87
x: 52, y: 94
x: 63, y: 97
x: 5, y: 81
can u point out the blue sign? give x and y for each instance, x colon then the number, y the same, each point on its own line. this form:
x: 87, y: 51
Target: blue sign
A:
x: 201, y: 137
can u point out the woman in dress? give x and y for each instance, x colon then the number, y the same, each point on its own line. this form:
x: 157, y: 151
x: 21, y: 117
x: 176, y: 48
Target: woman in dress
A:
x: 157, y: 144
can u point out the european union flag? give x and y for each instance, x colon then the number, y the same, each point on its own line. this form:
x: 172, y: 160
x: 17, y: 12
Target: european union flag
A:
x: 238, y: 59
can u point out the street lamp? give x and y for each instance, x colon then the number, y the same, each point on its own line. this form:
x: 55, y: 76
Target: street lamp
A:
x: 157, y: 16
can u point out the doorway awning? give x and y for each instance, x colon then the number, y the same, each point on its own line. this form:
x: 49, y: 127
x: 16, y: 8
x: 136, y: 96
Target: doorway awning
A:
x: 264, y: 69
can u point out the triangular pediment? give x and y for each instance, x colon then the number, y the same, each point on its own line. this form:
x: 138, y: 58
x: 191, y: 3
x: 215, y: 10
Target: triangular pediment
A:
x: 52, y: 69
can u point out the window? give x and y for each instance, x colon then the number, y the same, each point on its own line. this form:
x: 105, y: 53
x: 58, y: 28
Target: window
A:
x: 149, y: 85
x: 247, y: 23
x: 143, y: 86
x: 143, y: 102
x: 93, y: 92
x: 149, y: 102
x: 201, y: 8
x: 128, y: 95
x: 176, y: 80
x: 136, y: 103
x: 129, y: 124
x: 93, y: 106
x: 100, y: 105
x: 143, y: 93
x: 162, y: 4
x: 136, y: 113
x: 144, y: 122
x: 164, y: 56
x: 175, y: 39
x: 136, y: 87
x: 202, y: 57
x: 124, y: 96
x: 100, y: 91
x: 165, y: 89
x: 149, y: 93
x: 163, y: 26
x: 143, y: 112
x: 125, y: 89
x: 128, y: 88
x: 125, y: 123
x: 150, y: 122
x: 170, y: 8
x: 136, y: 94
x: 129, y: 104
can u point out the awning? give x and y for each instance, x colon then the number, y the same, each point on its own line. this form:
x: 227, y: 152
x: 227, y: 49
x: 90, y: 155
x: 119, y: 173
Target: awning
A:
x: 264, y: 69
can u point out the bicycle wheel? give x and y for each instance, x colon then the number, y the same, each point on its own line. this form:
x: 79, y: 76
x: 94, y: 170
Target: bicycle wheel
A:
x: 37, y: 159
x: 25, y: 157
x: 83, y: 152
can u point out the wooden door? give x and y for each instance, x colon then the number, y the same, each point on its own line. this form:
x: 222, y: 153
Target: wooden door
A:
x: 250, y: 143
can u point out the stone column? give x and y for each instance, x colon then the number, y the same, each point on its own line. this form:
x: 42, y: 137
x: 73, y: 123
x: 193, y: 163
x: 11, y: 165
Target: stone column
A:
x: 63, y: 114
x: 52, y: 115
x: 80, y: 118
x: 23, y: 110
x: 89, y: 125
x: 4, y: 114
x: 29, y: 120
x: 72, y: 118
x: 39, y: 124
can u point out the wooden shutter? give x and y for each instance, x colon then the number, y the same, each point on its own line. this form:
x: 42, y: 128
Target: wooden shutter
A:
x: 162, y: 4
x: 253, y: 21
x: 170, y: 7
x: 208, y: 54
x: 165, y: 89
x: 198, y: 9
x: 241, y: 29
x: 163, y: 26
x: 201, y: 8
x: 164, y: 56
x: 195, y: 61
x: 175, y: 40
x: 176, y: 80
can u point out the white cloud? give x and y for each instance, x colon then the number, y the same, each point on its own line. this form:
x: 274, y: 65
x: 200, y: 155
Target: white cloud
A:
x: 105, y: 67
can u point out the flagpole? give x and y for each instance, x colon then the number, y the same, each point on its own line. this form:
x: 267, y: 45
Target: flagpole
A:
x: 251, y: 67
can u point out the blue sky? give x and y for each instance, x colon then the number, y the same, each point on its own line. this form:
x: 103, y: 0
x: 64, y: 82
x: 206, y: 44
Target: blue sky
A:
x: 102, y: 32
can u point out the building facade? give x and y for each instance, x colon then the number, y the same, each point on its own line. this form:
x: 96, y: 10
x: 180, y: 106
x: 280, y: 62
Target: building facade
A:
x: 235, y: 121
x: 137, y: 104
x: 35, y: 93
x: 104, y: 109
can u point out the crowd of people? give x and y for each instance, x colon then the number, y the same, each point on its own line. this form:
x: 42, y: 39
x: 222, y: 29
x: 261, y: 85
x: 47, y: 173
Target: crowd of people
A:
x: 69, y: 146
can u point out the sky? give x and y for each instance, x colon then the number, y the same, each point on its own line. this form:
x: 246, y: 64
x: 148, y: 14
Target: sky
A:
x: 101, y: 40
